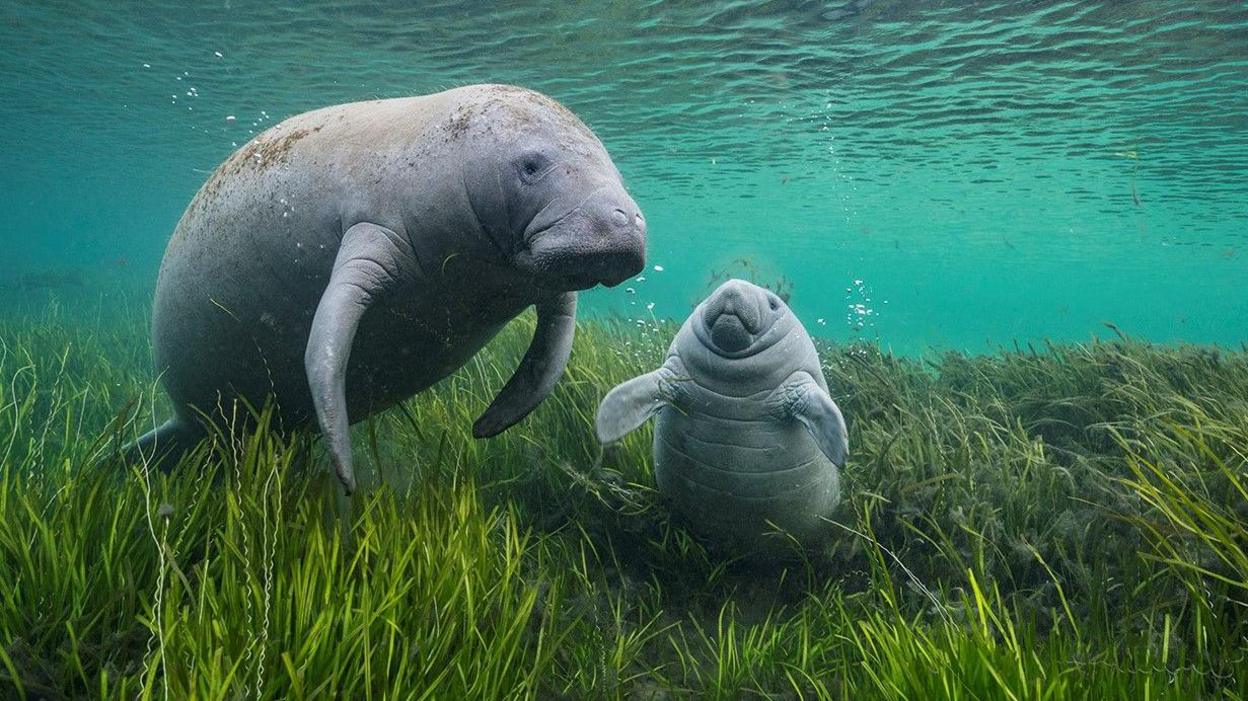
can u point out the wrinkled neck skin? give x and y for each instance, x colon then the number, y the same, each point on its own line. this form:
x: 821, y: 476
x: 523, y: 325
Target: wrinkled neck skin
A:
x: 777, y: 353
x: 461, y: 239
x: 490, y: 211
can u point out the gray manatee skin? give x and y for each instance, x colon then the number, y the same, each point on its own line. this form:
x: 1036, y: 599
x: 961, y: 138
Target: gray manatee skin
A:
x: 747, y: 433
x: 352, y: 256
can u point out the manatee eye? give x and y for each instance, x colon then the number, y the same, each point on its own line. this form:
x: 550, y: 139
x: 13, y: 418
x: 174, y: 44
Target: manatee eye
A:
x: 773, y: 303
x: 532, y: 165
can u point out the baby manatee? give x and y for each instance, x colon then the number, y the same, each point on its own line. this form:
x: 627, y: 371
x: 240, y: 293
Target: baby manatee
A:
x: 748, y: 441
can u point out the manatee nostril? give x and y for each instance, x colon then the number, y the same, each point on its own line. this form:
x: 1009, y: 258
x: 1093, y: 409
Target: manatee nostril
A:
x: 619, y: 217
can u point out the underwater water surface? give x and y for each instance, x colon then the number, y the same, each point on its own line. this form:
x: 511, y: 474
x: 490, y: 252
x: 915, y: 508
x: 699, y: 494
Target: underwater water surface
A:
x: 928, y: 174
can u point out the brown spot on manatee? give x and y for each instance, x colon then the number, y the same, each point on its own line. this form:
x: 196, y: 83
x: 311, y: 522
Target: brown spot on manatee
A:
x: 459, y: 123
x: 265, y: 154
x: 260, y: 154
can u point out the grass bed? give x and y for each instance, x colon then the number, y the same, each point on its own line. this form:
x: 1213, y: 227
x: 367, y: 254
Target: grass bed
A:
x: 1068, y: 522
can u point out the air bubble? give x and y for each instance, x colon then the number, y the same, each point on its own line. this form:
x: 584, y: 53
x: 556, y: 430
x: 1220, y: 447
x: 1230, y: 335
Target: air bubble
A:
x: 859, y: 313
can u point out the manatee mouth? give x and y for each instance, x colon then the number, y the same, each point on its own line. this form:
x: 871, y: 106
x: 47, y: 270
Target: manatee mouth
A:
x: 733, y: 320
x: 604, y: 269
x: 741, y: 319
x: 582, y: 281
x: 580, y: 250
x: 729, y: 333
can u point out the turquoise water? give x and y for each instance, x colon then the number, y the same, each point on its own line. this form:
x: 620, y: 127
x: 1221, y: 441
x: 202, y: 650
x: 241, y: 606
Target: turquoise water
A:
x: 928, y: 174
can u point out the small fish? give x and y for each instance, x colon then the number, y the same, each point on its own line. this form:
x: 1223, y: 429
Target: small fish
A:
x: 1135, y: 197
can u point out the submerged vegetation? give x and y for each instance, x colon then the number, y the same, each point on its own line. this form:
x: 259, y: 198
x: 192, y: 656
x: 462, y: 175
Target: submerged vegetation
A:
x: 1068, y: 522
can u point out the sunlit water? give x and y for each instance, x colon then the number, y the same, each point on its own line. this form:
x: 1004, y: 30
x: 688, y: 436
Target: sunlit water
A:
x: 928, y: 174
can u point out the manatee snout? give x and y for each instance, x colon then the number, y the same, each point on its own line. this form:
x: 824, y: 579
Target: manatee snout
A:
x: 734, y: 315
x: 601, y: 241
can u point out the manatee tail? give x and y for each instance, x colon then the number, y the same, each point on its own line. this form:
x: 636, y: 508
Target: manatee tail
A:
x: 165, y: 445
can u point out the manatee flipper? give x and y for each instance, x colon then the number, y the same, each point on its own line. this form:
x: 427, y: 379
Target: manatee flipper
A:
x: 629, y: 404
x: 538, y: 372
x: 372, y: 262
x: 163, y: 446
x: 810, y: 404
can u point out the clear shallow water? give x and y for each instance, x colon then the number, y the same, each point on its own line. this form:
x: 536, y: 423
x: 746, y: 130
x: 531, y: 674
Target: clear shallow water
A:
x: 970, y: 174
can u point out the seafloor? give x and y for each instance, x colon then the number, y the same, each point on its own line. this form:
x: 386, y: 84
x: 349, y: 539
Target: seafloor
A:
x: 1042, y: 523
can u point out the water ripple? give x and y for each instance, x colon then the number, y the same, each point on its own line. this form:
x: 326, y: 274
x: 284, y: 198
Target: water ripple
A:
x: 1025, y: 111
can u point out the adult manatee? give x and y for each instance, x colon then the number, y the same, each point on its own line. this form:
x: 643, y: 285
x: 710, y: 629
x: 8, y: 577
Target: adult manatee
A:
x: 747, y: 433
x: 353, y: 256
